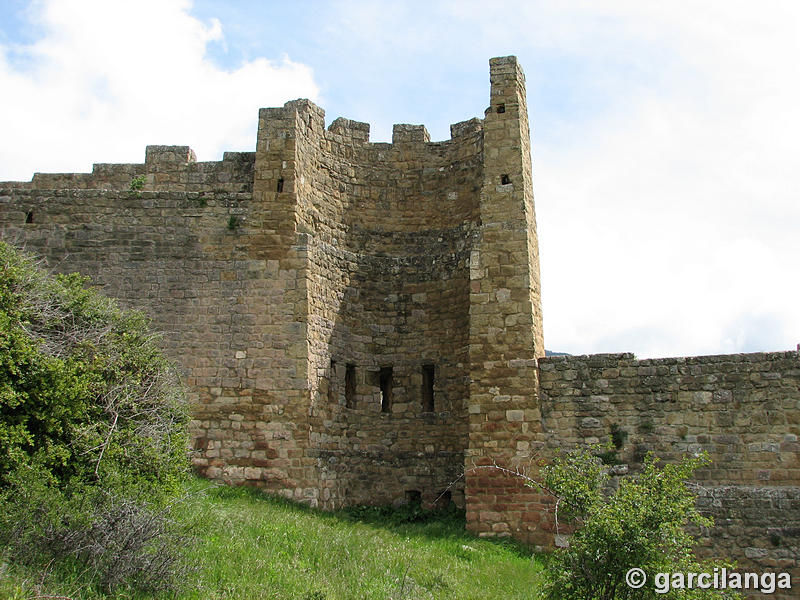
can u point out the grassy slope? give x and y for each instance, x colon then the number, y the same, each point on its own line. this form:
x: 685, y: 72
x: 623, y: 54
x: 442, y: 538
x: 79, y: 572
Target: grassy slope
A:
x: 258, y: 547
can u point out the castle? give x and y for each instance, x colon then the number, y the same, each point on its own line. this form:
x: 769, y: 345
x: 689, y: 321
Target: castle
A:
x: 361, y: 323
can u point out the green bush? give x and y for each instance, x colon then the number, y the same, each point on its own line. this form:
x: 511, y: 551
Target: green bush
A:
x: 642, y: 524
x: 92, y: 418
x: 137, y: 183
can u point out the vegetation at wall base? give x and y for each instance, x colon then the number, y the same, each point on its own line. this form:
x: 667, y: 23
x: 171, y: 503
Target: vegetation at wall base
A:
x: 93, y: 447
x: 251, y: 545
x: 97, y: 503
x: 640, y: 524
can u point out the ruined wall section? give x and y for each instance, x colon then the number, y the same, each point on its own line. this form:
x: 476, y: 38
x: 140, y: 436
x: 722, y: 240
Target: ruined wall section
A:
x: 742, y: 409
x: 166, y: 168
x: 388, y: 230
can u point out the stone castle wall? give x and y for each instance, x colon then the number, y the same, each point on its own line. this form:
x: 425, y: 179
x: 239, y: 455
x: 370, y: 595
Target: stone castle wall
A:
x: 742, y: 409
x: 387, y: 231
x: 757, y: 526
x: 505, y: 322
x: 361, y: 323
x: 166, y: 168
x: 344, y: 255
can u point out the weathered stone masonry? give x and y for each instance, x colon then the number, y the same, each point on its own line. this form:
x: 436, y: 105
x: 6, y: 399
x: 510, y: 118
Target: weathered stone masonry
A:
x: 361, y: 322
x: 742, y: 409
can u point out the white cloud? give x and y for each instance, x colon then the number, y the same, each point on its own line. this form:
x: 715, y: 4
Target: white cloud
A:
x: 668, y: 226
x: 107, y: 78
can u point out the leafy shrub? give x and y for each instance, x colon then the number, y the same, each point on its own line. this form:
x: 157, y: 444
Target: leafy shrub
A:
x: 92, y: 425
x: 114, y: 539
x: 641, y: 525
x: 137, y: 183
x: 618, y: 436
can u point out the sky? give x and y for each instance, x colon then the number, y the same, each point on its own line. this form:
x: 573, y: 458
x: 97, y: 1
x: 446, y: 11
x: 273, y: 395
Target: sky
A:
x: 665, y: 135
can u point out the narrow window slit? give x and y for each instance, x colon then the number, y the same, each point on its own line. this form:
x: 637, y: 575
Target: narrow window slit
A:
x: 350, y: 386
x: 29, y: 217
x: 385, y: 379
x: 280, y: 185
x: 428, y: 380
x: 332, y: 382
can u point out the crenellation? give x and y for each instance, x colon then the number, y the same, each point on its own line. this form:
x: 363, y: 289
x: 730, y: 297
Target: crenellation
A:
x: 409, y: 134
x: 465, y: 128
x: 169, y: 154
x: 355, y: 131
x: 361, y: 322
x: 166, y: 168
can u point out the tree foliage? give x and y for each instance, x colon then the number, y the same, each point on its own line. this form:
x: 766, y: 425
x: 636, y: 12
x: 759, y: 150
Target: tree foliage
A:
x: 92, y: 418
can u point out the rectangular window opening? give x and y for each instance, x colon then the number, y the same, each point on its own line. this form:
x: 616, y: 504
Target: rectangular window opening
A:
x: 501, y: 108
x: 428, y: 379
x: 505, y: 179
x: 280, y: 185
x: 350, y: 386
x: 29, y: 217
x: 386, y: 389
x: 413, y: 497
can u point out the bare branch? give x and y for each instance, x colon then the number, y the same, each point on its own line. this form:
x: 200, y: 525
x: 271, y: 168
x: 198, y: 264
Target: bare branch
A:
x: 105, y: 444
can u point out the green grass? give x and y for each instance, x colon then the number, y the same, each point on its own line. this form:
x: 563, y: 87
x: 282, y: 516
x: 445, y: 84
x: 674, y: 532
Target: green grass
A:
x: 252, y: 546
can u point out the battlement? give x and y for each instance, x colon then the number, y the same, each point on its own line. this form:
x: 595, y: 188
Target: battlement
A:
x: 175, y: 168
x: 354, y: 130
x: 309, y: 113
x: 169, y: 154
x: 165, y: 168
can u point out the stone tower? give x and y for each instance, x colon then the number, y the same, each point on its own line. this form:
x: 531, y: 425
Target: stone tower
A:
x: 405, y: 303
x: 505, y: 314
